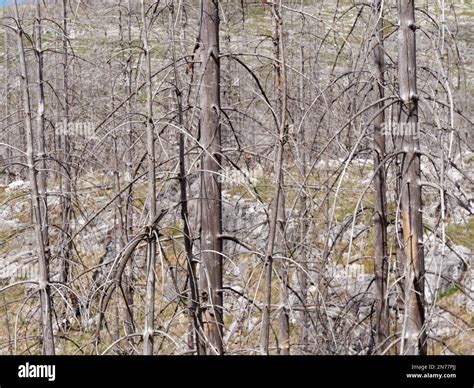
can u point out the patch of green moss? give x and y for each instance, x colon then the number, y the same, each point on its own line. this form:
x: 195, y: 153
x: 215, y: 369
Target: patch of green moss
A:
x: 450, y: 291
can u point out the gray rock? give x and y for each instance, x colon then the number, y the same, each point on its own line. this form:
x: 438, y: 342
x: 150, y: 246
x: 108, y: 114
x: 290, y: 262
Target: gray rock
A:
x: 445, y: 270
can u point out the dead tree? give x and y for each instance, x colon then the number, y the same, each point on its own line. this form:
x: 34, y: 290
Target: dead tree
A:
x: 7, y: 155
x: 281, y: 97
x: 125, y: 202
x: 303, y: 259
x: 150, y: 143
x: 38, y: 220
x: 66, y: 183
x: 211, y: 296
x: 277, y: 216
x: 128, y: 214
x: 413, y: 332
x: 194, y: 341
x: 380, y: 216
x: 40, y: 127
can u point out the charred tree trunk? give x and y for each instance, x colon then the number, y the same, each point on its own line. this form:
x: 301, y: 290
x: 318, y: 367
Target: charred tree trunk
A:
x: 413, y: 336
x: 211, y: 206
x: 195, y: 342
x: 66, y: 183
x: 380, y: 216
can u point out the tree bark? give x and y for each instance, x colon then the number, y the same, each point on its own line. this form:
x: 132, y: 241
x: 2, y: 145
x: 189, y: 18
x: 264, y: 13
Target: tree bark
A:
x: 380, y: 216
x: 8, y: 151
x: 148, y: 340
x: 40, y: 130
x: 413, y: 336
x: 277, y: 217
x: 42, y: 248
x: 281, y: 96
x: 195, y: 342
x: 66, y: 184
x: 125, y: 201
x: 128, y: 213
x: 211, y: 206
x: 303, y: 260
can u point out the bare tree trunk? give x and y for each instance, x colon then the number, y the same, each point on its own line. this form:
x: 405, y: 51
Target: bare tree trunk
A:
x: 11, y: 154
x: 302, y: 274
x: 211, y: 206
x: 42, y: 248
x: 281, y: 95
x: 119, y: 233
x: 195, y: 319
x: 148, y: 338
x: 128, y: 211
x: 380, y: 216
x: 414, y: 336
x: 7, y: 158
x: 125, y: 201
x: 277, y: 218
x: 66, y: 244
x: 8, y: 151
x: 40, y: 131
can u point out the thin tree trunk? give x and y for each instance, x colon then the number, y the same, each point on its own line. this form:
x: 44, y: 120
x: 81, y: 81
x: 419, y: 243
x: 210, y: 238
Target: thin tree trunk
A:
x: 42, y: 248
x: 211, y: 206
x: 10, y: 154
x: 119, y: 234
x: 40, y: 132
x: 281, y: 95
x: 380, y: 216
x: 66, y: 244
x: 193, y: 294
x: 148, y: 338
x: 128, y: 211
x: 414, y: 336
x: 8, y: 151
x: 277, y: 218
x: 126, y: 200
x: 302, y: 274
